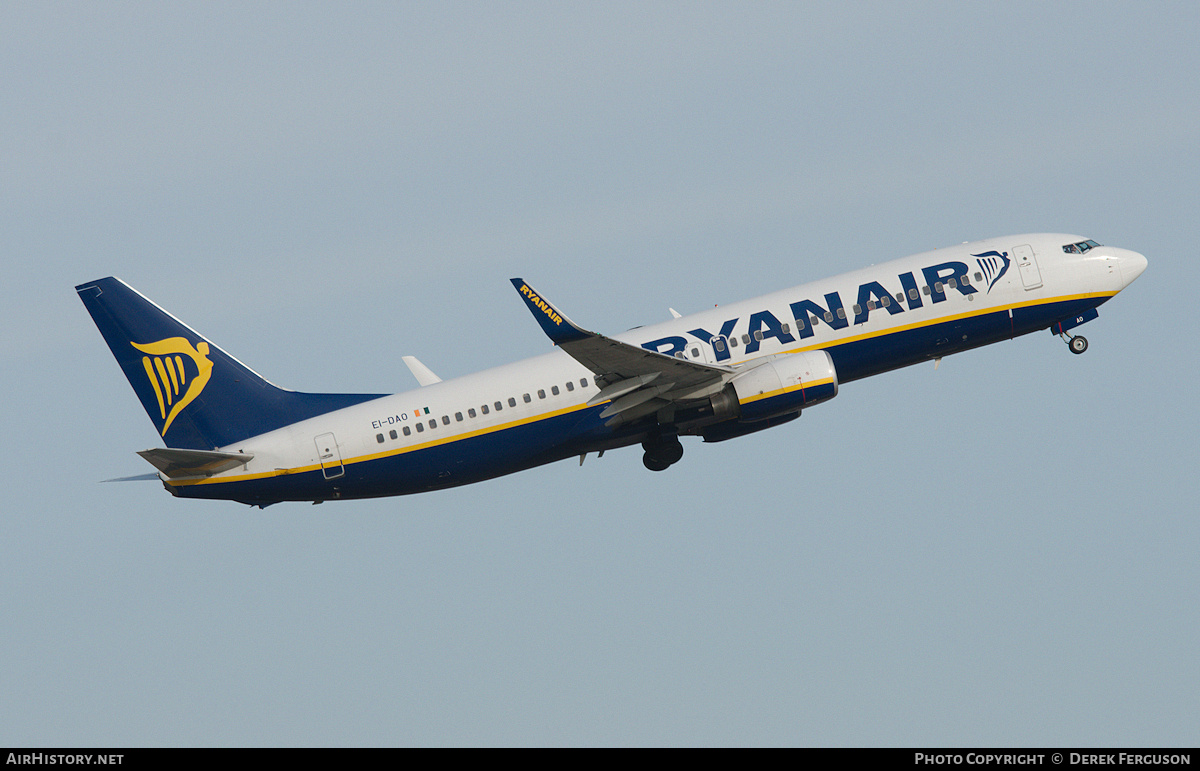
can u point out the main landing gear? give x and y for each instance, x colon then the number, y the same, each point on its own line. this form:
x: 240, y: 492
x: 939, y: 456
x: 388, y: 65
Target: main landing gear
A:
x: 1077, y: 343
x: 661, y: 451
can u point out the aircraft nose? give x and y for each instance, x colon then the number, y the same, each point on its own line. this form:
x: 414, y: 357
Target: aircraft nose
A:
x: 1132, y: 264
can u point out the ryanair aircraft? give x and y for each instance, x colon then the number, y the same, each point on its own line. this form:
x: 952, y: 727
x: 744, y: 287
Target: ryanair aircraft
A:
x: 718, y: 374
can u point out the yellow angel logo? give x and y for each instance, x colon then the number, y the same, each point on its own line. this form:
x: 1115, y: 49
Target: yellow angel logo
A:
x: 167, y: 374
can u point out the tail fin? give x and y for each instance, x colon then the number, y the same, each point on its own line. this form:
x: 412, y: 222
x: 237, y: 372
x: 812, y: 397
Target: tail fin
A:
x: 197, y: 396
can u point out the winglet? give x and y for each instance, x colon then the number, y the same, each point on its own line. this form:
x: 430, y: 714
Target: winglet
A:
x: 557, y: 327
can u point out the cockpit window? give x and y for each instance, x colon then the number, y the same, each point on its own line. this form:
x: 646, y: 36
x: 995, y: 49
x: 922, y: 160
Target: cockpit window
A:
x: 1081, y: 247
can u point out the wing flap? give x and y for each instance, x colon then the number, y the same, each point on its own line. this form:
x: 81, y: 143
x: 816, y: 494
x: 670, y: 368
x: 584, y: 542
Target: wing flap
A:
x: 620, y: 388
x: 633, y: 399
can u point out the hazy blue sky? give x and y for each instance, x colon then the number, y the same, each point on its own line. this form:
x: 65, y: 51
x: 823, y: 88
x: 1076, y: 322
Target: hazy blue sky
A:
x: 1001, y: 552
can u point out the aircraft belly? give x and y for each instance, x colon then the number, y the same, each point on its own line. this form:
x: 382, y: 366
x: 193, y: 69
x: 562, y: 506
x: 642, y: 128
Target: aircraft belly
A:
x: 449, y: 464
x: 873, y: 355
x: 1038, y: 317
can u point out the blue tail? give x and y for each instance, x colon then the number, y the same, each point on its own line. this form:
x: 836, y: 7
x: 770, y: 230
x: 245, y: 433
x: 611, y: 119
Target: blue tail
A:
x: 198, y: 396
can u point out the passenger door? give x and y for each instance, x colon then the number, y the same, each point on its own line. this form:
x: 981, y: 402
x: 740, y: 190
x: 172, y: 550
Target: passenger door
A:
x: 329, y: 456
x: 1031, y: 277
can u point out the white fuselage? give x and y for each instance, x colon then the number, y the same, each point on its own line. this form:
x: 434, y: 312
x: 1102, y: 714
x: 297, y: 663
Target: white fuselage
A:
x: 534, y: 411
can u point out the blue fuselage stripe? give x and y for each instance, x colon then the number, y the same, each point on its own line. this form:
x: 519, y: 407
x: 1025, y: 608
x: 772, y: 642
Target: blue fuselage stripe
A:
x: 484, y: 456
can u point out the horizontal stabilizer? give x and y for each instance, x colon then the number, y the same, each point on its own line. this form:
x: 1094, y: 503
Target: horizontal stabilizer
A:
x: 193, y: 463
x: 136, y: 478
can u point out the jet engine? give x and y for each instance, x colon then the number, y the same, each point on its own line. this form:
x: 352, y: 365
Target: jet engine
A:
x: 782, y: 385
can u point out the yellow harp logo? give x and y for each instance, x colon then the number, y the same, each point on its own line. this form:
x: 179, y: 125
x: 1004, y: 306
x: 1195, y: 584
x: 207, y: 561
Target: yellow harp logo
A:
x: 164, y: 367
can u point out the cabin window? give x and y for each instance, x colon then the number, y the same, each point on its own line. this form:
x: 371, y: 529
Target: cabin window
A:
x: 965, y: 279
x: 512, y: 401
x: 937, y: 287
x: 541, y: 393
x: 484, y: 408
x: 828, y: 317
x: 471, y: 412
x: 913, y: 295
x: 978, y: 276
x: 393, y: 434
x: 951, y: 283
x: 813, y: 320
x: 841, y: 313
x: 886, y: 300
x: 445, y: 420
x: 570, y: 385
x: 498, y: 405
x: 746, y: 339
x: 679, y: 355
x: 554, y: 390
x: 857, y: 309
x: 420, y: 427
x: 899, y: 297
x: 379, y: 438
x: 786, y: 329
x: 407, y: 431
x: 433, y: 423
x: 870, y: 305
x: 925, y: 290
x: 583, y: 382
x: 527, y: 398
x: 458, y: 416
x: 695, y: 353
x: 733, y: 342
x: 719, y: 345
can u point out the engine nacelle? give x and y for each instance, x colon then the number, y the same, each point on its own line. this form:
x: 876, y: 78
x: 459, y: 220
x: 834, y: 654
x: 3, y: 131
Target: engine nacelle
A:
x: 784, y: 384
x: 732, y: 429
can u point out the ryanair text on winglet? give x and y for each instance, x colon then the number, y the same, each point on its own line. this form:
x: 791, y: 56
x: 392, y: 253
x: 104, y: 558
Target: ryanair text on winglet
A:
x: 541, y: 304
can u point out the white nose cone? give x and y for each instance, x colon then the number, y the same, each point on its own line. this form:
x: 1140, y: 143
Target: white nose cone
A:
x: 1132, y: 264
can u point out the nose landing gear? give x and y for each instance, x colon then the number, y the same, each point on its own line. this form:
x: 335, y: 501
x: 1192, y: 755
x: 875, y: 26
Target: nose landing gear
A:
x: 1077, y: 343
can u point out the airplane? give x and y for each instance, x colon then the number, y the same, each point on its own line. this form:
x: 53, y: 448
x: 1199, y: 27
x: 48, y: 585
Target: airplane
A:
x: 719, y: 374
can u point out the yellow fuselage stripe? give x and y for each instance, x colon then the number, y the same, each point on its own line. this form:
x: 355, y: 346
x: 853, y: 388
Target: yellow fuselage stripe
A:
x: 577, y: 407
x: 385, y: 453
x: 944, y: 319
x: 787, y: 390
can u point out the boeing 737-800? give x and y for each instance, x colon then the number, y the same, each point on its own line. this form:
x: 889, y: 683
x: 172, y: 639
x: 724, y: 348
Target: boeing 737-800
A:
x: 719, y: 374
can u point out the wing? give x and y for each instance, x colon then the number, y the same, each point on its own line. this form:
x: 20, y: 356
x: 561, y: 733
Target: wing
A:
x: 636, y: 381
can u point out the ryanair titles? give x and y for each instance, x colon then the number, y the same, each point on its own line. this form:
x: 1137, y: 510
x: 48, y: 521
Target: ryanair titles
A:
x: 807, y: 313
x: 540, y: 304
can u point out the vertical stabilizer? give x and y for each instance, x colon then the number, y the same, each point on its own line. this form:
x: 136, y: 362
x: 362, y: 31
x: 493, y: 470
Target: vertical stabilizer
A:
x: 197, y: 396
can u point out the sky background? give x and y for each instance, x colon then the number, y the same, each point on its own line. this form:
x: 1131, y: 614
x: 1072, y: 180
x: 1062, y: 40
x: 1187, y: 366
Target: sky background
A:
x: 1000, y: 552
